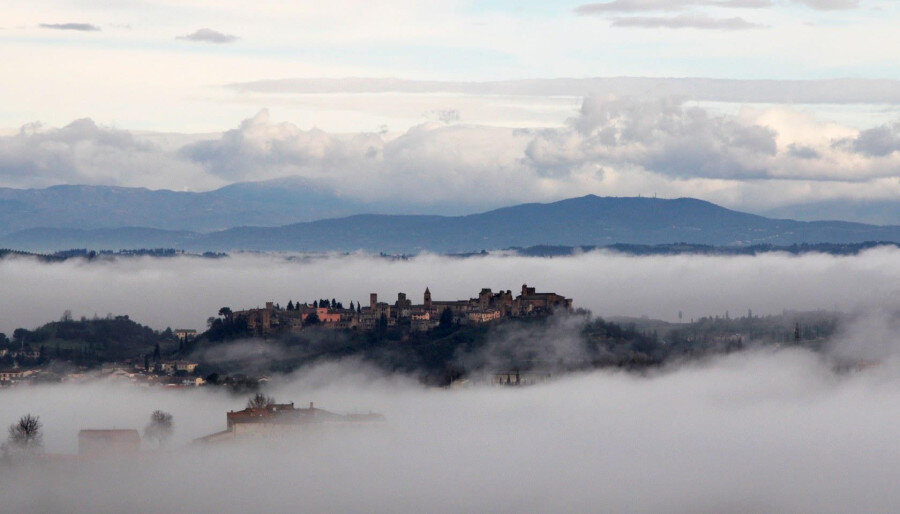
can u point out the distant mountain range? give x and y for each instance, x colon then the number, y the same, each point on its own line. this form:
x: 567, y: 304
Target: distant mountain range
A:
x: 269, y: 203
x: 589, y: 220
x: 876, y: 212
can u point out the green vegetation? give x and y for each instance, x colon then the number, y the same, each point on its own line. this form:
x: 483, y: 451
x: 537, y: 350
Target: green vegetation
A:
x: 438, y: 356
x: 702, y: 249
x: 444, y: 353
x: 82, y: 253
x: 560, y: 343
x: 89, y: 341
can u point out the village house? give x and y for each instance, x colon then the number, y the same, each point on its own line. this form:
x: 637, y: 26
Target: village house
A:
x: 14, y: 375
x: 184, y: 334
x: 172, y: 367
x: 281, y: 419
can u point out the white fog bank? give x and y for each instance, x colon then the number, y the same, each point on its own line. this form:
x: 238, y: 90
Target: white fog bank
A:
x: 772, y: 431
x: 184, y: 292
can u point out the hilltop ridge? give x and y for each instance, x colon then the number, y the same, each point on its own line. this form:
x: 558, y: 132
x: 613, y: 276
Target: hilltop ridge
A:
x: 582, y: 221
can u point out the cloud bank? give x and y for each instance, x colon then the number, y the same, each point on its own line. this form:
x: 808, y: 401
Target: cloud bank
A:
x: 725, y: 434
x: 637, y: 6
x: 836, y: 91
x: 184, y: 292
x: 613, y: 146
x: 831, y: 5
x: 755, y: 432
x: 684, y: 21
x: 83, y: 152
x: 630, y: 6
x: 633, y: 10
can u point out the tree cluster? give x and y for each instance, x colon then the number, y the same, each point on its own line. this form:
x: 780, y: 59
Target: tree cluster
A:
x: 25, y: 439
x: 159, y: 428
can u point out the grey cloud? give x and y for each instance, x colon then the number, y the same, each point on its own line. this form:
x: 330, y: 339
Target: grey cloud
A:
x: 57, y: 152
x: 724, y: 436
x: 83, y: 27
x: 830, y: 5
x: 209, y: 36
x: 803, y: 152
x: 258, y: 145
x: 614, y: 145
x: 428, y: 161
x: 661, y: 136
x: 875, y: 142
x: 836, y: 91
x: 635, y: 6
x: 84, y: 153
x: 684, y: 21
x: 630, y: 6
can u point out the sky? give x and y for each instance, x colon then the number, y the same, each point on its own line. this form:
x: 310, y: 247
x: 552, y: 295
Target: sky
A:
x: 456, y: 99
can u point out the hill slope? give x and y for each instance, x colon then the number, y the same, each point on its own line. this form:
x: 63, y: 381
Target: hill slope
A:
x: 270, y: 203
x: 588, y: 220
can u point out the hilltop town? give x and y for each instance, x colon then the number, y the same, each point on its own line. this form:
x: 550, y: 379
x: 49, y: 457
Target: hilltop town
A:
x: 488, y: 306
x: 510, y: 338
x: 117, y: 348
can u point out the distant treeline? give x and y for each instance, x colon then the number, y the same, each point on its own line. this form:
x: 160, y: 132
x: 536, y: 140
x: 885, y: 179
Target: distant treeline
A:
x: 698, y: 249
x: 86, y: 341
x: 83, y: 253
x: 437, y: 356
x: 531, y: 251
x: 450, y: 351
x: 556, y: 344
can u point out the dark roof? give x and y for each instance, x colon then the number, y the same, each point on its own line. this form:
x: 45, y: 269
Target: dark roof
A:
x: 211, y: 436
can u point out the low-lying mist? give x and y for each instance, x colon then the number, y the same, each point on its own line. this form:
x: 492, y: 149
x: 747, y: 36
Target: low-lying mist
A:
x: 768, y: 429
x: 183, y: 292
x: 758, y: 431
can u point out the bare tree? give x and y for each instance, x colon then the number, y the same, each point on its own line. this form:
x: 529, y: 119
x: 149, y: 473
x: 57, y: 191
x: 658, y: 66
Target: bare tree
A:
x: 25, y: 437
x: 160, y: 427
x: 260, y: 401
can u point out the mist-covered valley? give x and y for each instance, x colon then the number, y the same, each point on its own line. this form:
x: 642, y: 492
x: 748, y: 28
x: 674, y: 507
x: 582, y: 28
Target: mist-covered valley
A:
x: 443, y: 256
x: 760, y: 431
x: 766, y: 426
x: 183, y: 292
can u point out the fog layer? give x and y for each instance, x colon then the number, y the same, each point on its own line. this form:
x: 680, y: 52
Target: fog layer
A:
x: 184, y: 292
x: 755, y: 432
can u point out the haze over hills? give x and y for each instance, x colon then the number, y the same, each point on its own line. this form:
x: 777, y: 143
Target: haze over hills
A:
x: 274, y: 203
x: 588, y: 220
x: 876, y: 212
x: 269, y: 203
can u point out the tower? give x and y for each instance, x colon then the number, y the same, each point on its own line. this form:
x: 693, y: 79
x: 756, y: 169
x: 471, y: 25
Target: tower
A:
x: 427, y: 301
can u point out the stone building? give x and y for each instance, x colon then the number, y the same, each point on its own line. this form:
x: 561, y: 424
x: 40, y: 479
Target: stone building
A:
x: 282, y: 419
x: 486, y: 307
